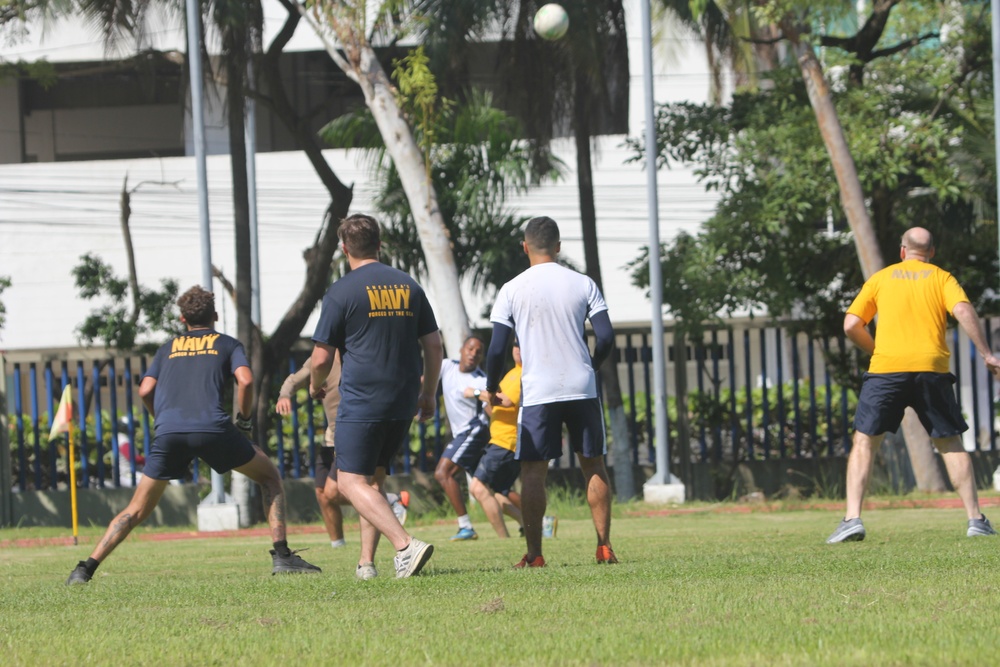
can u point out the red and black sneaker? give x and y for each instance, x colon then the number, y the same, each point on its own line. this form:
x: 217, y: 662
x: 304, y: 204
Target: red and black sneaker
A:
x: 606, y: 555
x: 537, y: 561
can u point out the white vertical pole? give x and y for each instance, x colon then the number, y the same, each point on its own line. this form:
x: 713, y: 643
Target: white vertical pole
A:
x: 662, y: 475
x: 198, y: 128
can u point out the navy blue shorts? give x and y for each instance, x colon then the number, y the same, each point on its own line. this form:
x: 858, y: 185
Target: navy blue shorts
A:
x: 468, y: 447
x: 884, y: 397
x: 172, y: 453
x: 364, y: 446
x: 540, y: 429
x: 325, y: 466
x: 498, y: 469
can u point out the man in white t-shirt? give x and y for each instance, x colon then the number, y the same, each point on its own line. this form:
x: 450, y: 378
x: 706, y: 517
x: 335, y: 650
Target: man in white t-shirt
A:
x: 547, y: 307
x: 462, y: 381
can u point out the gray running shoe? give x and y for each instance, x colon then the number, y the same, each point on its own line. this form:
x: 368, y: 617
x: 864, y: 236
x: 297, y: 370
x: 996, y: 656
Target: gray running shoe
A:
x: 980, y: 526
x: 848, y: 531
x: 79, y: 575
x: 410, y: 560
x: 291, y: 564
x: 366, y: 571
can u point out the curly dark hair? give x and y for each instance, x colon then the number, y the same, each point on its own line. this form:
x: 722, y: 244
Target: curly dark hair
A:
x: 197, y: 307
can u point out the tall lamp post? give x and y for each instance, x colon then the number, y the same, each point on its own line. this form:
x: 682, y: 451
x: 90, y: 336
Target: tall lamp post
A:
x: 662, y: 487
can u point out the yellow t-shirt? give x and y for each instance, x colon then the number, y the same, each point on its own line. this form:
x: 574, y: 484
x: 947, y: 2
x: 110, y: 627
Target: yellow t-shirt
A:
x: 912, y: 299
x: 503, y: 424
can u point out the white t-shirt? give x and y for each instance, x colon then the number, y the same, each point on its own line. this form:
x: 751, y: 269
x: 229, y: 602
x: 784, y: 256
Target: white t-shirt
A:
x: 463, y: 413
x: 548, y: 306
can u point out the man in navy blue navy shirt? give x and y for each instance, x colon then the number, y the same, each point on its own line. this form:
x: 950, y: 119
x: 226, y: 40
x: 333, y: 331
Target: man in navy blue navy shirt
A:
x: 379, y: 320
x: 184, y: 389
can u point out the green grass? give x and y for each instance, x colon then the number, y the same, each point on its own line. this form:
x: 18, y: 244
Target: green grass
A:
x: 693, y: 589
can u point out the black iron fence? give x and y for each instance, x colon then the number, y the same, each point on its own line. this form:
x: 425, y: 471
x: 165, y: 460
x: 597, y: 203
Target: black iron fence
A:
x: 748, y: 392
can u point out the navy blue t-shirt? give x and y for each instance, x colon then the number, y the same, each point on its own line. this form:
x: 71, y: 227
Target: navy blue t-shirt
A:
x: 191, y: 373
x: 375, y: 316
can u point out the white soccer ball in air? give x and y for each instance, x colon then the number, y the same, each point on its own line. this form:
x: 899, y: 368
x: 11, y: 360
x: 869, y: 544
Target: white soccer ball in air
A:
x: 551, y: 21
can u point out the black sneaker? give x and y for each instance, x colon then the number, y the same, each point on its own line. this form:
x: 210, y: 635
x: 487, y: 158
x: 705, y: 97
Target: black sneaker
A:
x: 79, y: 575
x: 291, y: 564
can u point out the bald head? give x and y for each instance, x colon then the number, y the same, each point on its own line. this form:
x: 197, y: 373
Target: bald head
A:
x: 917, y: 243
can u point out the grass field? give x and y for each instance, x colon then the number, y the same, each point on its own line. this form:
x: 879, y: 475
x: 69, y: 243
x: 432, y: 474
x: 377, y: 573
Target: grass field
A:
x: 701, y: 588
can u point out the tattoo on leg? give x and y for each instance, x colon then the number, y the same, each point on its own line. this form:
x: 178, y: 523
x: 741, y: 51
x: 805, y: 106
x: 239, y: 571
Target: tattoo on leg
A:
x: 274, y: 508
x: 118, y: 531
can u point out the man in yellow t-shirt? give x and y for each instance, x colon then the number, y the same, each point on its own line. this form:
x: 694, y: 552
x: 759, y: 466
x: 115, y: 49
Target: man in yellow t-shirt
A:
x: 909, y: 368
x: 497, y: 471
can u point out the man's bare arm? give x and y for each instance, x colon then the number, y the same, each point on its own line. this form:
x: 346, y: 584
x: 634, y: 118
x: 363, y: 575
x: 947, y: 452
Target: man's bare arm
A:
x: 322, y: 362
x: 856, y: 330
x: 969, y: 320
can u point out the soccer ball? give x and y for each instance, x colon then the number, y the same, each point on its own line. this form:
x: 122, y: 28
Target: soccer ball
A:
x: 551, y: 21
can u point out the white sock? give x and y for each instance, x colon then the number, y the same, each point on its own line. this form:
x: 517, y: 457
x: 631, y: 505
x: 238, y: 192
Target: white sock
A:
x: 336, y: 544
x: 464, y: 522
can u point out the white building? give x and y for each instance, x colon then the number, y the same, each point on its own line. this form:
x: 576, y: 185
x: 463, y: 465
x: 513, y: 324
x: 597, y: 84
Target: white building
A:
x: 57, y: 202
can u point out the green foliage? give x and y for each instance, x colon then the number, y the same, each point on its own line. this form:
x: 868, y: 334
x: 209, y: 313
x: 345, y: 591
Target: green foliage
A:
x: 476, y: 162
x: 778, y: 241
x: 417, y: 95
x: 116, y: 324
x: 4, y: 284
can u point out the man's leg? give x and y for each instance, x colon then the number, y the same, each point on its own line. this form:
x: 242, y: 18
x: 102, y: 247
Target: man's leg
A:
x: 509, y: 508
x: 490, y: 505
x: 598, y: 487
x: 959, y: 465
x: 533, y: 504
x: 445, y: 473
x: 515, y: 498
x: 374, y: 511
x: 859, y: 468
x: 328, y: 498
x: 261, y: 470
x: 147, y: 495
x: 369, y: 534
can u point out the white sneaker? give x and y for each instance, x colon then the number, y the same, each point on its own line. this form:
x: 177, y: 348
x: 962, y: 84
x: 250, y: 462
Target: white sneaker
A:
x: 366, y: 571
x: 410, y: 560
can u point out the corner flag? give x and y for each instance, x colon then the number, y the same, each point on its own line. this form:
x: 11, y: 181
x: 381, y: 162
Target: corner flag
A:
x: 63, y: 417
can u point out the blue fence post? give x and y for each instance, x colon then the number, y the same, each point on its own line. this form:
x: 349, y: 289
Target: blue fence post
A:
x: 53, y: 448
x: 717, y: 384
x: 797, y: 396
x: 989, y: 393
x: 145, y: 414
x: 766, y: 400
x: 98, y: 426
x: 630, y: 359
x: 130, y: 418
x: 780, y: 366
x: 311, y: 434
x: 748, y: 376
x: 811, y: 360
x: 647, y: 353
x: 22, y: 482
x: 845, y: 438
x: 116, y: 478
x: 699, y: 358
x: 37, y: 464
x: 829, y: 398
x: 974, y: 382
x: 81, y: 383
x: 734, y: 421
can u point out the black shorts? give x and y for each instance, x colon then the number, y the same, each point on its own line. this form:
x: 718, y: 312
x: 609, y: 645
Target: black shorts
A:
x: 172, y: 453
x: 540, y: 429
x: 467, y: 448
x: 364, y: 446
x: 498, y: 469
x: 325, y: 466
x: 884, y: 397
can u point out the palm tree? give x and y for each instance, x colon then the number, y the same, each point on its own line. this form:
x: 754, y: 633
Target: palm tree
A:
x: 584, y: 77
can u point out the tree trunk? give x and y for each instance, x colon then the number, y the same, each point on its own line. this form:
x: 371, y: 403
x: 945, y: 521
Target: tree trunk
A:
x: 621, y: 455
x: 918, y: 444
x: 442, y: 272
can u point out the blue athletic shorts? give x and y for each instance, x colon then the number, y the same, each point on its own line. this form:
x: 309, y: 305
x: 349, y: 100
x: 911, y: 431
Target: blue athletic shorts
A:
x: 468, y: 447
x: 498, y: 469
x: 364, y: 446
x: 172, y: 453
x: 540, y: 430
x: 884, y: 397
x: 325, y: 466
